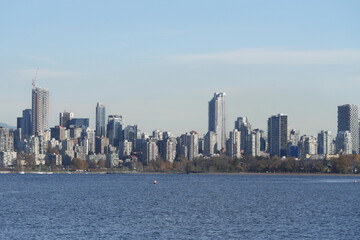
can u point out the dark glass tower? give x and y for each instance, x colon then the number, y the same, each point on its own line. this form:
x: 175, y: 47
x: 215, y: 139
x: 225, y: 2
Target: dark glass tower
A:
x: 348, y: 120
x: 277, y: 135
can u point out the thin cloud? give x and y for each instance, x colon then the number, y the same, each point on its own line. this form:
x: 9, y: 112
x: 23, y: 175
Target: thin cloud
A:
x: 276, y: 57
x: 47, y: 74
x: 41, y: 59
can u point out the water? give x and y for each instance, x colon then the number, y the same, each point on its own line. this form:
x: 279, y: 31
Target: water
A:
x: 89, y: 206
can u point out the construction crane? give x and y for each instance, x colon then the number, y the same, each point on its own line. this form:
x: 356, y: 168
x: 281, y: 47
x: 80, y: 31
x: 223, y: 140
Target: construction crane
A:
x: 34, y: 79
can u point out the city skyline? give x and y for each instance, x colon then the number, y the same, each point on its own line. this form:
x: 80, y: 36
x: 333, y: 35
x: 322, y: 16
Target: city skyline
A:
x: 158, y: 74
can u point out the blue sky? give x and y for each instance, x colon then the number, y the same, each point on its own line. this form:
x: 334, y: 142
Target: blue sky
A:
x: 158, y: 63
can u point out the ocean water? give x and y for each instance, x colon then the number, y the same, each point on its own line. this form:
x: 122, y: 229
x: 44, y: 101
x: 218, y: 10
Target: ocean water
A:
x: 79, y: 206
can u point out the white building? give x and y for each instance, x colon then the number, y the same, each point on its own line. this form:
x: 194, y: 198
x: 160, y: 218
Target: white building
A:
x: 217, y: 119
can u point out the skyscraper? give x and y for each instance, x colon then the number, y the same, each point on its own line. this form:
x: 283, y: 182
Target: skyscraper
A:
x: 114, y: 129
x: 277, y: 135
x: 217, y: 118
x: 40, y: 110
x: 26, y: 124
x: 348, y: 120
x: 100, y: 120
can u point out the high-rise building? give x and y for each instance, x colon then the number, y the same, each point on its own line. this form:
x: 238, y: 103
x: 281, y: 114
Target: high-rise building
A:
x: 324, y: 142
x: 130, y: 134
x: 307, y: 146
x: 100, y: 120
x: 6, y: 140
x: 277, y: 135
x: 168, y: 152
x: 348, y: 120
x: 192, y: 144
x: 58, y: 133
x: 210, y: 144
x: 150, y: 151
x: 65, y: 118
x: 344, y: 142
x: 40, y: 110
x: 114, y: 129
x: 233, y: 148
x: 125, y: 149
x: 253, y: 142
x: 217, y: 119
x: 242, y: 124
x: 26, y: 124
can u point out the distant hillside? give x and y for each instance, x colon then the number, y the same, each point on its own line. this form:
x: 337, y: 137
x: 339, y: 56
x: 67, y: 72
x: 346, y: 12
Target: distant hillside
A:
x: 6, y: 126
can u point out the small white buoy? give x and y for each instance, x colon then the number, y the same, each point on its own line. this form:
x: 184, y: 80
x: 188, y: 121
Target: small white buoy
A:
x: 154, y: 181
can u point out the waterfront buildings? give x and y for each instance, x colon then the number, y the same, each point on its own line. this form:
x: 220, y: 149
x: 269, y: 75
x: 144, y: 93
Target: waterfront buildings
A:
x: 348, y: 120
x: 217, y: 119
x: 40, y: 110
x: 277, y: 135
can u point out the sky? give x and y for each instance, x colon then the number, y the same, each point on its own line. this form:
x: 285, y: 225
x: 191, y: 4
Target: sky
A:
x: 158, y: 63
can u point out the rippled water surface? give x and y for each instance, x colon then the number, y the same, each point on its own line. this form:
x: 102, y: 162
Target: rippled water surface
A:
x: 77, y: 206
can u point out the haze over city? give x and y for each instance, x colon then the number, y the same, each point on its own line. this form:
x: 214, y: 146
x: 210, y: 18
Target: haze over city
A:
x: 158, y: 63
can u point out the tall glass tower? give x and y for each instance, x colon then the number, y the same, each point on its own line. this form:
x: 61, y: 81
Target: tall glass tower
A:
x: 348, y: 120
x: 114, y: 129
x: 217, y: 119
x: 100, y: 120
x: 40, y: 110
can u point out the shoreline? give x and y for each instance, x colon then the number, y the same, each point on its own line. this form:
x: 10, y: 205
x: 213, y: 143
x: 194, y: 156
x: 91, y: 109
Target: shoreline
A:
x: 171, y: 173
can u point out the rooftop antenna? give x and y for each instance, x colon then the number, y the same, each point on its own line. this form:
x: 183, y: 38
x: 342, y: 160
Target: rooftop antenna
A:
x: 34, y: 79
